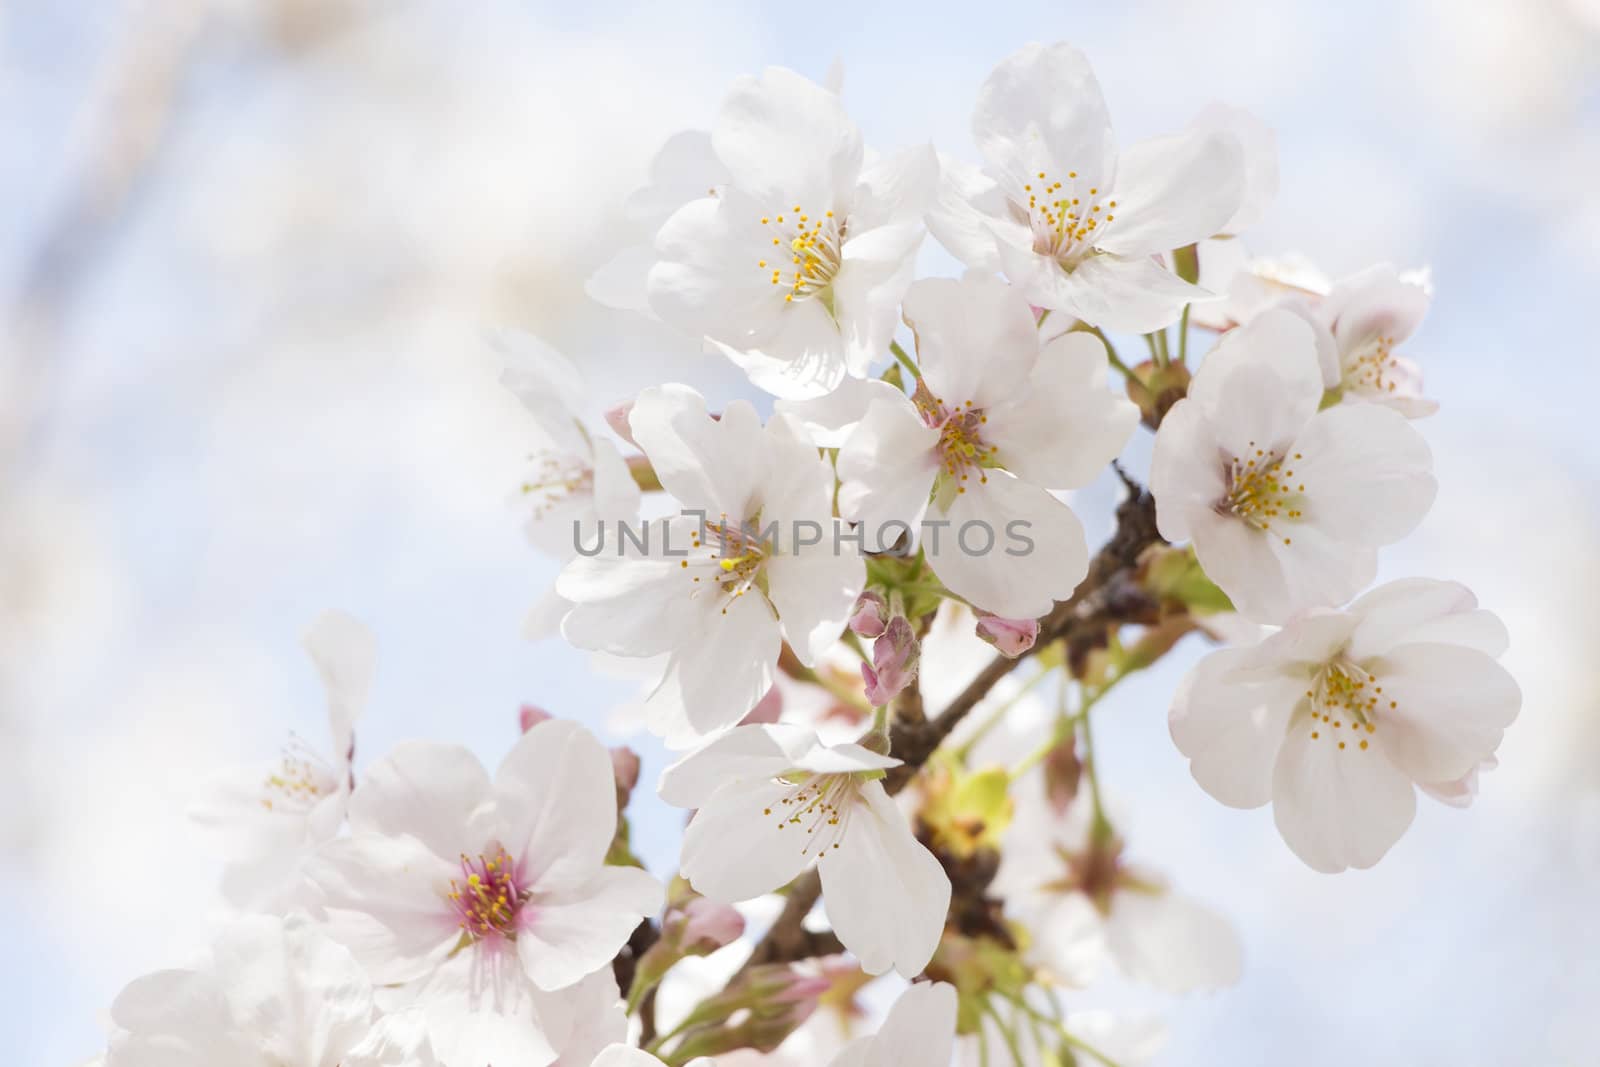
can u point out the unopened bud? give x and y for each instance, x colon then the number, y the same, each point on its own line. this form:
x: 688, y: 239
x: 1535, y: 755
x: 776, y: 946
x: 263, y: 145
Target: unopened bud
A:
x: 531, y: 716
x: 894, y: 662
x: 870, y: 614
x: 617, y: 419
x: 1010, y: 637
x: 625, y: 766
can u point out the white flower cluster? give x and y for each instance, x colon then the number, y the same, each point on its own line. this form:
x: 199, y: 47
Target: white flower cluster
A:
x: 831, y: 607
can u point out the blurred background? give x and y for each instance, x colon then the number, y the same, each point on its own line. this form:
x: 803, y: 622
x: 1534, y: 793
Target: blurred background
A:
x: 249, y: 253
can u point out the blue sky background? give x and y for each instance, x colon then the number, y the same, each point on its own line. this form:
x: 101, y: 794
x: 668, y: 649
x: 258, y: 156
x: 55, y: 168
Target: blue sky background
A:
x: 256, y: 388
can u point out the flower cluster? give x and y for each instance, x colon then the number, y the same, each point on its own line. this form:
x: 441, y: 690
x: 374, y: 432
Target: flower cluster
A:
x: 830, y: 602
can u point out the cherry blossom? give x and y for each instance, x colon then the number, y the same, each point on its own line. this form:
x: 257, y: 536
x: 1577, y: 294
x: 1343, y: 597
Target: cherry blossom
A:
x: 1286, y: 505
x: 773, y: 800
x: 488, y: 902
x: 270, y: 817
x: 997, y: 420
x: 1074, y: 224
x: 1335, y: 718
x: 711, y: 589
x: 794, y: 270
x: 274, y: 993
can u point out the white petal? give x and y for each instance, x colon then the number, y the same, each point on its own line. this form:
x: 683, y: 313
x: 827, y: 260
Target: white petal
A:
x: 715, y: 464
x: 829, y: 420
x: 625, y: 1056
x: 1452, y: 706
x: 684, y: 168
x: 969, y: 204
x: 386, y: 900
x: 1174, y: 191
x: 720, y: 675
x: 394, y: 1040
x: 1010, y: 547
x: 1423, y: 611
x: 549, y: 385
x: 1230, y: 730
x: 1185, y: 470
x: 576, y: 931
x: 623, y: 281
x: 977, y: 339
x: 1375, y: 304
x: 1338, y: 807
x: 745, y: 752
x: 1041, y: 109
x: 1260, y: 161
x: 876, y: 270
x: 706, y: 279
x: 599, y: 1021
x: 481, y: 1009
x: 556, y: 805
x: 784, y: 137
x: 815, y: 590
x: 344, y: 652
x: 1133, y: 294
x: 632, y: 596
x: 1172, y: 942
x: 1367, y: 472
x: 432, y: 791
x: 303, y: 995
x: 886, y: 895
x: 1261, y: 384
x: 1064, y: 426
x: 920, y: 1029
x: 738, y: 846
x: 886, y: 470
x: 897, y: 187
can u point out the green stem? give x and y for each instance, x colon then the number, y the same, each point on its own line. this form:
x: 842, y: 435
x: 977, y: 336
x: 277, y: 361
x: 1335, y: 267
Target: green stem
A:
x: 1183, y: 334
x: 1005, y: 1033
x: 905, y: 361
x: 1063, y: 729
x: 1061, y: 1028
x: 1101, y: 827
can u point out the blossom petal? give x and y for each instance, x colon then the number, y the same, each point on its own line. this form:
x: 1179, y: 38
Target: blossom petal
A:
x: 1173, y: 191
x: 1009, y: 547
x: 715, y: 464
x: 1230, y: 730
x: 556, y: 805
x: 1064, y: 425
x: 886, y: 895
x: 920, y: 1028
x: 718, y: 676
x: 630, y: 596
x: 784, y: 137
x: 745, y: 752
x: 1338, y: 807
x: 886, y: 470
x: 574, y: 932
x: 815, y: 589
x: 977, y: 340
x: 1042, y: 110
x: 739, y: 846
x: 1423, y: 611
x: 344, y: 652
x: 431, y: 791
x: 1261, y: 384
x: 1368, y: 473
x: 387, y: 902
x: 1450, y: 708
x: 1172, y: 942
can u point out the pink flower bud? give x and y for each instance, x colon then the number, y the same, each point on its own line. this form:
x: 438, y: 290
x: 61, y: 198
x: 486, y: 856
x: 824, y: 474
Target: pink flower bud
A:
x: 617, y: 419
x: 1010, y: 637
x: 894, y: 662
x: 531, y: 716
x: 625, y: 766
x: 708, y: 925
x: 870, y: 612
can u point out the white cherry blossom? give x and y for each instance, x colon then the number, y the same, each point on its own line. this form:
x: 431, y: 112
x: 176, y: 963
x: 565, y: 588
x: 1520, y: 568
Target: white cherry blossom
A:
x: 274, y: 992
x: 1286, y: 505
x: 1365, y: 319
x: 997, y: 421
x: 1084, y: 903
x: 1335, y: 718
x: 576, y: 478
x: 488, y: 903
x: 754, y: 561
x: 794, y: 269
x: 271, y: 816
x: 773, y: 800
x: 1075, y: 225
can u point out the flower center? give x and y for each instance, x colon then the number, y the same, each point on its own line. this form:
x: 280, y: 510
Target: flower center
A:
x: 820, y: 804
x: 1260, y: 491
x: 1345, y: 695
x: 554, y: 479
x: 1370, y: 368
x: 961, y: 447
x: 487, y: 898
x: 730, y: 562
x: 805, y: 252
x: 301, y: 779
x: 1065, y: 220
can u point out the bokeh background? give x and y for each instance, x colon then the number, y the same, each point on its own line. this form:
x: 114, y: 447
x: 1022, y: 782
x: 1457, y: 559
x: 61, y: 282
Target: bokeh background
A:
x: 248, y: 254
